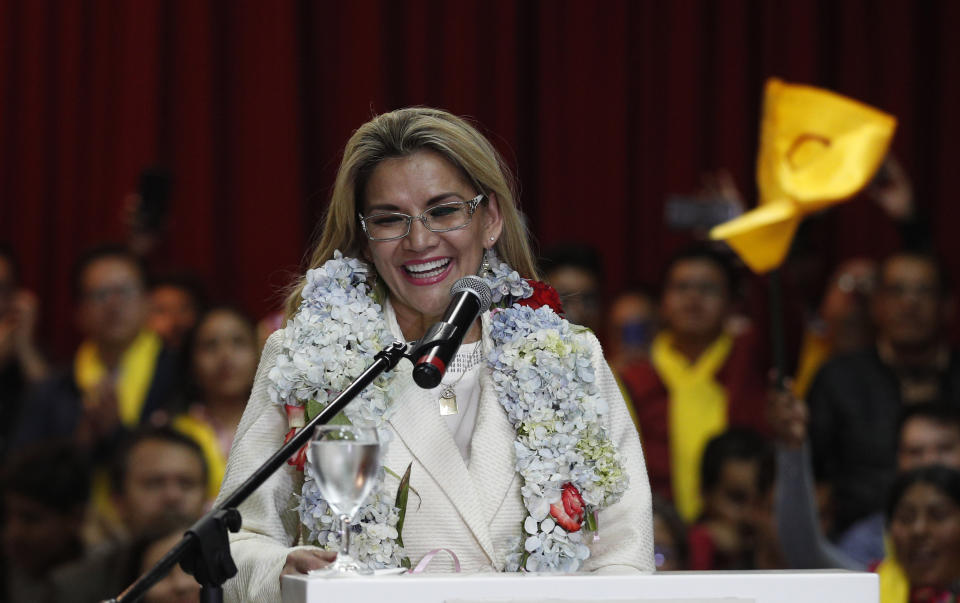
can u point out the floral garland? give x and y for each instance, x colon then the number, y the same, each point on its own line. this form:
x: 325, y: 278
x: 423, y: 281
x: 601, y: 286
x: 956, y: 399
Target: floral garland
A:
x: 337, y: 329
x: 542, y: 376
x: 569, y: 466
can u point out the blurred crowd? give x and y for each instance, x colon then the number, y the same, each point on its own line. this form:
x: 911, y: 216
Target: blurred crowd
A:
x: 108, y: 459
x: 846, y: 456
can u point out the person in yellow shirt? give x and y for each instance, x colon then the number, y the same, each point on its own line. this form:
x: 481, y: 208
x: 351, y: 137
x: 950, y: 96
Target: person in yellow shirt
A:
x: 120, y: 378
x: 120, y: 375
x: 699, y: 380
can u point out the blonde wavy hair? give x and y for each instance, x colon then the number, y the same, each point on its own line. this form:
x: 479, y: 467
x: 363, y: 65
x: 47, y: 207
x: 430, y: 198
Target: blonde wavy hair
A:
x: 401, y: 133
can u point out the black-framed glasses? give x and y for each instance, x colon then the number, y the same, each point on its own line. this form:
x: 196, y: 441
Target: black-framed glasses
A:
x: 443, y: 217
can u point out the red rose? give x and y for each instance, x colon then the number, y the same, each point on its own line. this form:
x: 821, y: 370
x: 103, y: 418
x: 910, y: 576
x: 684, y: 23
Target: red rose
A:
x: 543, y: 295
x: 569, y: 511
x: 300, y: 457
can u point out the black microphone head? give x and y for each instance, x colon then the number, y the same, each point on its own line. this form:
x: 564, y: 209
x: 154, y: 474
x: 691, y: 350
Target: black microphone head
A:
x: 471, y: 296
x: 477, y: 286
x: 427, y: 375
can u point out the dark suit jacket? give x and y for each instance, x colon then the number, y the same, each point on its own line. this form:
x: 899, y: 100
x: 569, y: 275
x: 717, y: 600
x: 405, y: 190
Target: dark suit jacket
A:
x: 99, y: 575
x: 855, y: 409
x: 54, y: 406
x: 12, y: 390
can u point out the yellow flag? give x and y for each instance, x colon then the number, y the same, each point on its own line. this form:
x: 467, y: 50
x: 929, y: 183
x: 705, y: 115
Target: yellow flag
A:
x: 817, y: 148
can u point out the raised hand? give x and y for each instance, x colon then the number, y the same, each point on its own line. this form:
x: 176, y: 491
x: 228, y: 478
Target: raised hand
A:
x: 787, y: 415
x: 892, y: 190
x: 18, y: 335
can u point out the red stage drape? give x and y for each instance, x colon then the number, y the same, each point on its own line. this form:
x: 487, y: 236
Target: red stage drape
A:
x: 603, y: 108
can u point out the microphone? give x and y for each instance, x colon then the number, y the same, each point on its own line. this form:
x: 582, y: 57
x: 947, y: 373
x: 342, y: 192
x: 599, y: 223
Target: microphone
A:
x: 470, y: 297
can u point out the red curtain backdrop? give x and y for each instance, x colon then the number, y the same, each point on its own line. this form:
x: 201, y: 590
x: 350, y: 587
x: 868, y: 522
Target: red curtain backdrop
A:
x: 603, y: 109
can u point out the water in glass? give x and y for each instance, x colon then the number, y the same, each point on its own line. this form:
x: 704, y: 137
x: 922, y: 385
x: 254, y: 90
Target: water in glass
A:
x: 346, y: 461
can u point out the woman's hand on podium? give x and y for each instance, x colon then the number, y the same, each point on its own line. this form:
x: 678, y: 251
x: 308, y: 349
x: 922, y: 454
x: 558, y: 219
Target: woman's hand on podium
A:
x: 303, y: 560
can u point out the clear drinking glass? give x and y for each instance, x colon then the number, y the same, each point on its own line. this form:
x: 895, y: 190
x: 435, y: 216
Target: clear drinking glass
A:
x: 346, y: 460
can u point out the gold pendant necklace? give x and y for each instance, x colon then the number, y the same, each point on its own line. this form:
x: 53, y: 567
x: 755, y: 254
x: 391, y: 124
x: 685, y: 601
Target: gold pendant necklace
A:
x: 448, y: 393
x: 448, y: 401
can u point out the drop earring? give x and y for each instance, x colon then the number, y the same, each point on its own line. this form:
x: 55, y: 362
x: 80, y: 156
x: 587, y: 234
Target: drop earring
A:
x: 489, y: 259
x: 373, y: 281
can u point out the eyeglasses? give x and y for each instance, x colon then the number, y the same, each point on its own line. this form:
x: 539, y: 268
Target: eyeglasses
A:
x: 704, y: 288
x: 389, y: 226
x: 901, y: 290
x: 100, y: 296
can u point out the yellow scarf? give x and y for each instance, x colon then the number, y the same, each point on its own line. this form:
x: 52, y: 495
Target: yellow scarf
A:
x: 894, y: 587
x: 134, y: 374
x: 204, y: 434
x: 697, y: 412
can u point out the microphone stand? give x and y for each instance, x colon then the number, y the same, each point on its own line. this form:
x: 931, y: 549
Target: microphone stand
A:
x: 204, y: 550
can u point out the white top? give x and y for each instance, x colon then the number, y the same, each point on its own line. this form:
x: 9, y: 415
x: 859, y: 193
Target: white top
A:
x: 467, y: 387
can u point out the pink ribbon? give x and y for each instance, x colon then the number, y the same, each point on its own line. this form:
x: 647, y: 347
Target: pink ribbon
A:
x: 429, y: 557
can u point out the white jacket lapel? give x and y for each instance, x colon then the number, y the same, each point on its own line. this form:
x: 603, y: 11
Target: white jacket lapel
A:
x: 417, y: 422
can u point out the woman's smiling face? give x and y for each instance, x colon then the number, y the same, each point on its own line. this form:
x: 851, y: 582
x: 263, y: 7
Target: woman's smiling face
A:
x: 420, y: 268
x: 925, y: 529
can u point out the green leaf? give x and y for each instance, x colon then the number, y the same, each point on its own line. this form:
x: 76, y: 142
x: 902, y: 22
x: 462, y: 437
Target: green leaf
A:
x: 592, y: 522
x: 313, y: 409
x: 403, y: 492
x: 412, y: 489
x: 579, y: 329
x: 405, y: 562
x: 340, y: 419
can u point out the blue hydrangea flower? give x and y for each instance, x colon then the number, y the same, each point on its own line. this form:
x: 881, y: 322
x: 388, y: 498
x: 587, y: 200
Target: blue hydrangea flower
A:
x: 543, y: 376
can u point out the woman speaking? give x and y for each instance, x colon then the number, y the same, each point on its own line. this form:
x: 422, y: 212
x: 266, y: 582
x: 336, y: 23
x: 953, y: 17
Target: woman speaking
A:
x: 524, y: 458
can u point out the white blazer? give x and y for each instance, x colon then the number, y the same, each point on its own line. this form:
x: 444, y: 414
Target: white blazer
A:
x: 474, y: 510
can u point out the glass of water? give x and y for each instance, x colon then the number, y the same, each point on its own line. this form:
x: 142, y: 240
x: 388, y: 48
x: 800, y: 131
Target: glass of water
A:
x: 346, y: 460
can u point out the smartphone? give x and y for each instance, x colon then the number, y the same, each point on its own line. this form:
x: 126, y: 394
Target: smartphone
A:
x: 694, y: 213
x: 883, y: 176
x: 152, y: 207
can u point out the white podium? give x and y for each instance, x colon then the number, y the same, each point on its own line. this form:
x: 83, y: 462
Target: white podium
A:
x: 820, y: 586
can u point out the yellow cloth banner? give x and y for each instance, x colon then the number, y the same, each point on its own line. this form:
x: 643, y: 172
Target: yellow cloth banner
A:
x: 134, y: 374
x: 817, y: 148
x: 697, y: 411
